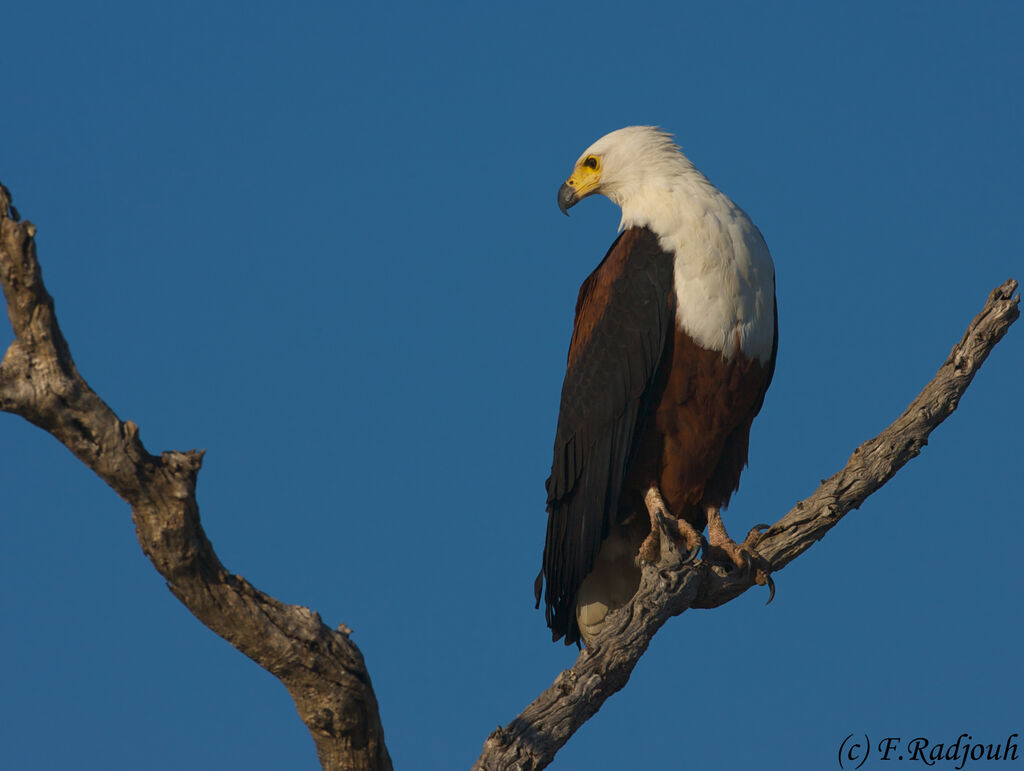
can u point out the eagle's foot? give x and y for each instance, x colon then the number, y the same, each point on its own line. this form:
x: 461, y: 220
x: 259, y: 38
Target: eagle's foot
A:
x: 666, y: 530
x: 692, y: 540
x: 650, y: 551
x: 743, y: 556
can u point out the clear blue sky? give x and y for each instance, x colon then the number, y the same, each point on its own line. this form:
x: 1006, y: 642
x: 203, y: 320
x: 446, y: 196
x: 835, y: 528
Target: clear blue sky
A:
x: 321, y: 242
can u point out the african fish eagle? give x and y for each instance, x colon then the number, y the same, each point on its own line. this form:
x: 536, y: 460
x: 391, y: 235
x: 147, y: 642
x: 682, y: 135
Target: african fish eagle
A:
x: 673, y: 348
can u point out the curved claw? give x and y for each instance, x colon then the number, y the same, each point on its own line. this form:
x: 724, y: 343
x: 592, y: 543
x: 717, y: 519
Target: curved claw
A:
x: 771, y: 588
x: 699, y: 549
x: 755, y: 534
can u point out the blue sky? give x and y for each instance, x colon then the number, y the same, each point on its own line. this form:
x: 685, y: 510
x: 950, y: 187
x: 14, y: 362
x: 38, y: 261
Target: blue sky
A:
x: 321, y: 242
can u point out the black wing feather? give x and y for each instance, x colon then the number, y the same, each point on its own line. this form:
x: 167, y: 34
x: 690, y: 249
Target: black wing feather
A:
x: 774, y: 356
x: 613, y: 360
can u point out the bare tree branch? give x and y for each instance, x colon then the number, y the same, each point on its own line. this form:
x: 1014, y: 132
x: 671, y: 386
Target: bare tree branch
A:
x: 322, y: 668
x: 531, y: 740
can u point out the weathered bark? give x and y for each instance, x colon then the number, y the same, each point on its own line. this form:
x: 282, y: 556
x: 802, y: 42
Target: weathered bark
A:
x: 531, y: 740
x: 322, y: 668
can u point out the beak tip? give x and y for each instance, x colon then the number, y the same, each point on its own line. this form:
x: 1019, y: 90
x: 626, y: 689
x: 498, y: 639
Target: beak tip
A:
x: 566, y: 199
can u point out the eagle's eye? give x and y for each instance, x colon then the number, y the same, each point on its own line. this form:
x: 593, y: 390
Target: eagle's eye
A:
x: 590, y: 162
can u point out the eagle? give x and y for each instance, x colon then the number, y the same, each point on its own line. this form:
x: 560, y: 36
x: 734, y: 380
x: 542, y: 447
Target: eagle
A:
x: 673, y: 349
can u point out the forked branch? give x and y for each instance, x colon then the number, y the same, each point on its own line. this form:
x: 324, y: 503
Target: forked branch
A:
x: 322, y: 668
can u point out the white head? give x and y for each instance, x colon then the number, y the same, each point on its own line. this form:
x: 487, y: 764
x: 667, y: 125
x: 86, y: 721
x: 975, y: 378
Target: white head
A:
x: 626, y: 164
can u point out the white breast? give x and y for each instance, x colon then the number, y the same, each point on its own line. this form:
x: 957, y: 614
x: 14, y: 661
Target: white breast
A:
x: 724, y: 276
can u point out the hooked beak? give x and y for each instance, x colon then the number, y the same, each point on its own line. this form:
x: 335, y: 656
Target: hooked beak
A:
x: 567, y: 198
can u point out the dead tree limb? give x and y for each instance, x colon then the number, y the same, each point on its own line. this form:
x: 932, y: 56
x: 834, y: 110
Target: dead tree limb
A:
x: 531, y: 740
x: 322, y: 668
